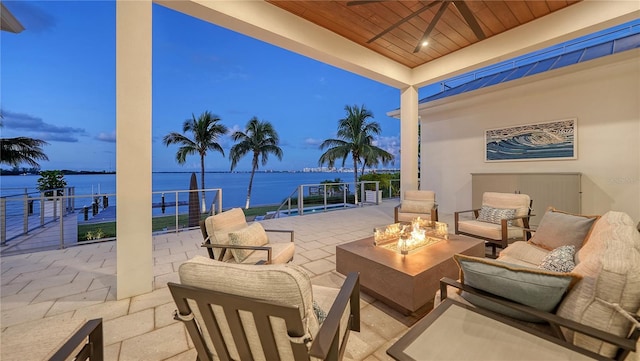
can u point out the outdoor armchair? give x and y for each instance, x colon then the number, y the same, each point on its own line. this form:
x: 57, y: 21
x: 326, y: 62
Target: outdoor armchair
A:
x: 501, y: 217
x: 271, y: 312
x: 229, y: 238
x: 417, y: 203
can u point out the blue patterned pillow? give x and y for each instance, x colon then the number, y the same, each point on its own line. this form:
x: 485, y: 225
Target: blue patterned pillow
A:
x: 320, y: 314
x: 495, y: 215
x: 560, y: 259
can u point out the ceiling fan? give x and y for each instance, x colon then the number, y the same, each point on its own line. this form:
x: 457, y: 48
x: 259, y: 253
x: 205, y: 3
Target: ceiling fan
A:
x: 462, y: 7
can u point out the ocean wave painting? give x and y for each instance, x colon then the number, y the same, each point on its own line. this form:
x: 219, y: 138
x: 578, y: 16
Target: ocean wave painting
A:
x: 554, y: 140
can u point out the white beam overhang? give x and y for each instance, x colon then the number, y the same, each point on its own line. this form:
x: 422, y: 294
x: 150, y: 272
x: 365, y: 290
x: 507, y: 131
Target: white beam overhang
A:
x: 569, y: 23
x: 266, y: 22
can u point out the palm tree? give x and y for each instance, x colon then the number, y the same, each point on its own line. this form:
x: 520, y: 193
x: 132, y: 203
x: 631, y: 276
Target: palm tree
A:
x: 355, y: 138
x: 260, y: 139
x: 205, y: 132
x: 14, y: 151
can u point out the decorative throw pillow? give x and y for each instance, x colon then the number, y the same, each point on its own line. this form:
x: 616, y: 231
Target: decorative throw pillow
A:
x: 252, y: 235
x: 561, y: 229
x: 320, y: 314
x: 496, y: 215
x: 560, y: 259
x: 411, y: 206
x: 532, y: 287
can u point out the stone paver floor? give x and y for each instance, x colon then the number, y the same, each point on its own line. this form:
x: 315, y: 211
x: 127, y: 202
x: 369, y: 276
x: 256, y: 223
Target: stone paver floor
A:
x: 47, y: 295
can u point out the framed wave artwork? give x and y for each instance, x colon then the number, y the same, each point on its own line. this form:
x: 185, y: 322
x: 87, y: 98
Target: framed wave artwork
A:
x: 555, y: 140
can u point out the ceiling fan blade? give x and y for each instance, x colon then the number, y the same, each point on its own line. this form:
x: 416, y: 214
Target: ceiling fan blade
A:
x: 470, y: 19
x: 403, y: 20
x: 362, y: 2
x: 432, y: 25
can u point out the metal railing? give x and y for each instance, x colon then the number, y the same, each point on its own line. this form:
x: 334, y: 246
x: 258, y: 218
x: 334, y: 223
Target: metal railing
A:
x: 32, y: 221
x: 326, y: 196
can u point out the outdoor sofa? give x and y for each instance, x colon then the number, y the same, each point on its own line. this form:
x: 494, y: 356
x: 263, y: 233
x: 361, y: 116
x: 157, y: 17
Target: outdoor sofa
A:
x: 600, y: 295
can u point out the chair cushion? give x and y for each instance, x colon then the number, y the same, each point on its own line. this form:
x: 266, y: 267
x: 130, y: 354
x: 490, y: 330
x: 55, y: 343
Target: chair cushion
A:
x: 252, y: 235
x: 285, y: 284
x: 496, y: 215
x: 559, y: 229
x: 219, y: 226
x: 610, y: 270
x: 409, y: 217
x: 418, y: 195
x: 560, y: 259
x: 411, y: 206
x: 281, y: 252
x: 519, y: 202
x: 536, y: 288
x: 489, y: 230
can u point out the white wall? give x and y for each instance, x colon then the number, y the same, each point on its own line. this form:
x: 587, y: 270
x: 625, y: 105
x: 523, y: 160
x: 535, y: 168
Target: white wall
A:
x: 603, y: 94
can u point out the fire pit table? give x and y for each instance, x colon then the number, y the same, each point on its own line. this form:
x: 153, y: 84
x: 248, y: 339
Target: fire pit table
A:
x: 405, y: 278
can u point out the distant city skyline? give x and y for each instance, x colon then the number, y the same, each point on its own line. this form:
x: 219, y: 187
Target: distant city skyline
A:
x: 58, y: 85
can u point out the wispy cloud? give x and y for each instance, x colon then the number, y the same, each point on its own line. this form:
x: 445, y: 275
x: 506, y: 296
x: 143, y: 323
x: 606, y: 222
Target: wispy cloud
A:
x: 106, y: 137
x: 312, y: 142
x: 390, y: 144
x: 37, y: 126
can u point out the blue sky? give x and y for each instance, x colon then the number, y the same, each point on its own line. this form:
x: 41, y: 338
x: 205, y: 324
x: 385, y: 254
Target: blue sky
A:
x: 58, y: 84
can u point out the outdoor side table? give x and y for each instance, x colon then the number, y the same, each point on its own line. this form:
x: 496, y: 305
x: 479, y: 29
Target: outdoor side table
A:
x: 454, y: 331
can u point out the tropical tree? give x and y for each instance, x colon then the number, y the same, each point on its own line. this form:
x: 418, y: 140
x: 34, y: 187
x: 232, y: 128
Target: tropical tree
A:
x: 354, y: 137
x: 260, y: 139
x: 14, y: 151
x: 204, y: 134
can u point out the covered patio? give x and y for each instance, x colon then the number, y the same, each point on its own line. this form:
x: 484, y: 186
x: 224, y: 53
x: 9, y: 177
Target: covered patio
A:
x: 48, y: 295
x: 309, y: 28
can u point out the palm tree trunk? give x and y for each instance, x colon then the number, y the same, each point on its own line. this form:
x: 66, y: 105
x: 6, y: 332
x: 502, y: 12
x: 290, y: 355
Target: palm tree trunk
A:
x: 204, y: 202
x: 253, y: 171
x: 355, y: 178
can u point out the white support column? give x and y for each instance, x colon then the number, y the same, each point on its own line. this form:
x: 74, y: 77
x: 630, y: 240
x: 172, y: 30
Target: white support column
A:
x: 133, y: 148
x: 408, y: 139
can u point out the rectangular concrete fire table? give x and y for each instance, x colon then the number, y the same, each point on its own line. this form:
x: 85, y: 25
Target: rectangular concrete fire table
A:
x: 405, y: 282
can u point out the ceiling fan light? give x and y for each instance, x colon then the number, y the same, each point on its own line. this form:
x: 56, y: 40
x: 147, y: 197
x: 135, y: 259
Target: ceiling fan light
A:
x: 425, y: 43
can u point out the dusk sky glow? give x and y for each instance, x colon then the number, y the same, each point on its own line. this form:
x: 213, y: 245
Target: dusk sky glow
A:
x: 58, y: 85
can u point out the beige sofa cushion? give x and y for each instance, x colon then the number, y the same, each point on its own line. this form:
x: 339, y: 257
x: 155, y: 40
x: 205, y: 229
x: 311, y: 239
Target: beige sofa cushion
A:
x: 220, y: 225
x: 285, y: 284
x: 558, y: 228
x: 252, y: 235
x: 609, y: 264
x: 524, y: 254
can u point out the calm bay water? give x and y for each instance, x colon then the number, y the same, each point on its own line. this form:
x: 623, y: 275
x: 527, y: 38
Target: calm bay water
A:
x: 268, y: 188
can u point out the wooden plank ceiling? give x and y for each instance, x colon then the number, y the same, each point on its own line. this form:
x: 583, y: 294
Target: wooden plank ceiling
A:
x: 396, y: 28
